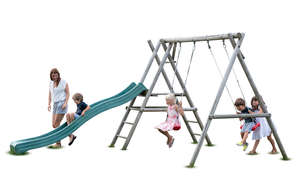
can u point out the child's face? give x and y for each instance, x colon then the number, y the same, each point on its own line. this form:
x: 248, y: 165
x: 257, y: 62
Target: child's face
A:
x: 76, y: 101
x: 169, y: 101
x: 255, y: 103
x: 240, y: 107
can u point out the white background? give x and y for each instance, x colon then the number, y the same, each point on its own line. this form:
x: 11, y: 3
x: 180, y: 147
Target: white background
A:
x: 100, y: 47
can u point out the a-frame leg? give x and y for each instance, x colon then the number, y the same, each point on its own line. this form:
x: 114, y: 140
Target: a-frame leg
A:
x: 147, y: 97
x: 179, y: 78
x: 219, y: 94
x: 172, y: 91
x: 117, y: 134
x: 261, y: 102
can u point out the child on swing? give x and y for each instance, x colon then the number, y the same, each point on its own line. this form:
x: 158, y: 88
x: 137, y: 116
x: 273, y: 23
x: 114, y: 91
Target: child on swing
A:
x: 249, y: 122
x: 172, y: 118
x: 263, y: 131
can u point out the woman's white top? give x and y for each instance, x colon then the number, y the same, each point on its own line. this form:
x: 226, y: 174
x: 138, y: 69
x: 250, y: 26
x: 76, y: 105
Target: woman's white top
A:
x: 58, y: 93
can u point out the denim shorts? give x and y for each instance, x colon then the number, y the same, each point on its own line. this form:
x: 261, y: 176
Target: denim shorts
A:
x: 76, y: 116
x: 57, y: 108
x: 247, y: 127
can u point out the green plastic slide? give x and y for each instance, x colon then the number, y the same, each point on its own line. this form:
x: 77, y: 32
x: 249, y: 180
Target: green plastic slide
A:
x: 21, y: 146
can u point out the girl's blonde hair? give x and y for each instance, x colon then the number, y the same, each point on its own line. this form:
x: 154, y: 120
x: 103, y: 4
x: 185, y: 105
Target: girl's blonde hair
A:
x: 171, y: 96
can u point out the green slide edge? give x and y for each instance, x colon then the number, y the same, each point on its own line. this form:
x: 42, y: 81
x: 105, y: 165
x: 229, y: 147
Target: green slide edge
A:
x: 20, y: 147
x: 132, y: 85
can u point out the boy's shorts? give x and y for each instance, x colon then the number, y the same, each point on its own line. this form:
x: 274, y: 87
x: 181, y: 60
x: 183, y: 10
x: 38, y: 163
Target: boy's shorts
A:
x: 76, y: 116
x: 247, y: 127
x: 57, y: 108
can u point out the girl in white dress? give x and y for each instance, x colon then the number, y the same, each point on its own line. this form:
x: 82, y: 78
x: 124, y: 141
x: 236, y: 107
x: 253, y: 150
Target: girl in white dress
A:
x: 172, y: 120
x: 263, y: 130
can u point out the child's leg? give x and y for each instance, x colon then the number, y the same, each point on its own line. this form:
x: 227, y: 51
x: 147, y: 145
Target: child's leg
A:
x: 166, y: 134
x: 68, y: 116
x: 245, y: 136
x: 253, y: 151
x: 242, y: 134
x: 274, y: 150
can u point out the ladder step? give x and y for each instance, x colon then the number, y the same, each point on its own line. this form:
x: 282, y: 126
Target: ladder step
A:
x: 197, y: 134
x: 192, y: 121
x: 122, y: 137
x: 128, y: 123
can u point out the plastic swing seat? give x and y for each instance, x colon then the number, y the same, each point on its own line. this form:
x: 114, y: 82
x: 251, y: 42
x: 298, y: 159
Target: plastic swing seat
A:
x: 254, y: 127
x: 177, y: 126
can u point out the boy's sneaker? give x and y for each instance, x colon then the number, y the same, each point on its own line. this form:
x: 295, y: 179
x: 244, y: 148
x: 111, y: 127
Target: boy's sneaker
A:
x: 245, y: 146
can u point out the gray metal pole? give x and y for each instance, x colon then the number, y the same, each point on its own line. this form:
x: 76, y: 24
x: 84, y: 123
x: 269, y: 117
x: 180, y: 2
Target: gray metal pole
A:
x: 261, y: 101
x: 227, y: 116
x: 150, y: 62
x: 147, y: 96
x: 201, y: 38
x: 163, y: 71
x: 219, y: 94
x: 172, y: 91
x: 187, y: 95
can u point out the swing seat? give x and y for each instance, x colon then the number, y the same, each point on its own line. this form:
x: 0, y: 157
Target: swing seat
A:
x: 177, y: 126
x: 254, y: 127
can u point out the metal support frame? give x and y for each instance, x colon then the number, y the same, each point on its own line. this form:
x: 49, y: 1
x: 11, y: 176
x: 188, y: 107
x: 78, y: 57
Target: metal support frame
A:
x: 261, y: 101
x: 227, y: 116
x: 217, y: 99
x: 169, y: 57
x: 185, y: 91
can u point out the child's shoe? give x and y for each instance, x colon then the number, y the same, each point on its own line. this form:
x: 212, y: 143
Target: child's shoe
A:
x: 239, y: 143
x: 245, y: 146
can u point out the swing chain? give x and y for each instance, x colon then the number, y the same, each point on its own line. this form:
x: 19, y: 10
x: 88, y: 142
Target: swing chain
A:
x: 177, y: 61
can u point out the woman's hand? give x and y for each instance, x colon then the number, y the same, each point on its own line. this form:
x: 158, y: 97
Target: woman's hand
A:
x: 49, y: 108
x: 64, y: 106
x: 83, y: 112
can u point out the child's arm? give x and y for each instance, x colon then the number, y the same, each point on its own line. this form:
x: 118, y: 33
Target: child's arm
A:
x: 260, y: 110
x: 86, y: 109
x: 179, y: 109
x: 239, y: 118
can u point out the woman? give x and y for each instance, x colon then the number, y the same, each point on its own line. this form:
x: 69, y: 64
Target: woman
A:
x: 59, y: 94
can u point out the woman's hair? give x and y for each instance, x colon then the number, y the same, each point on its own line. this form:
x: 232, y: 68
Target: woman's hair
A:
x: 239, y: 102
x: 171, y: 96
x: 78, y: 97
x: 252, y: 100
x: 54, y: 70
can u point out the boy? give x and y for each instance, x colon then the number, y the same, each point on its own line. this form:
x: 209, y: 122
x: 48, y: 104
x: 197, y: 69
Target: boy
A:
x: 82, y: 107
x: 249, y: 122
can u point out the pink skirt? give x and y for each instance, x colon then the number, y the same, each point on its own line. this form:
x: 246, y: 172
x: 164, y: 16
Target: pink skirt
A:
x: 166, y: 125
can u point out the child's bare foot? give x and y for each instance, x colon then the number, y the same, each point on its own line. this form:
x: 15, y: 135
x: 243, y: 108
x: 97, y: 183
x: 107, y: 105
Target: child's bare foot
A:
x: 273, y: 152
x: 171, y: 142
x: 252, y: 152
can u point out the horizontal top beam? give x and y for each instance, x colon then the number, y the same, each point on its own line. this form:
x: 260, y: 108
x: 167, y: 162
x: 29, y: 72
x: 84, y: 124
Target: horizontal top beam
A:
x: 202, y: 38
x: 226, y: 116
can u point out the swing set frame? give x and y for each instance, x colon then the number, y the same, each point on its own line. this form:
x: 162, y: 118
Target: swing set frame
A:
x: 236, y: 40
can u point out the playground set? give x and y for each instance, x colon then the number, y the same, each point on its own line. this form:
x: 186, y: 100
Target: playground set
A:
x: 134, y: 91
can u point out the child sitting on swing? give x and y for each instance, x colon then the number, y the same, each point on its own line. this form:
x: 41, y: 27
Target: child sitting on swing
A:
x: 172, y: 121
x: 249, y: 122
